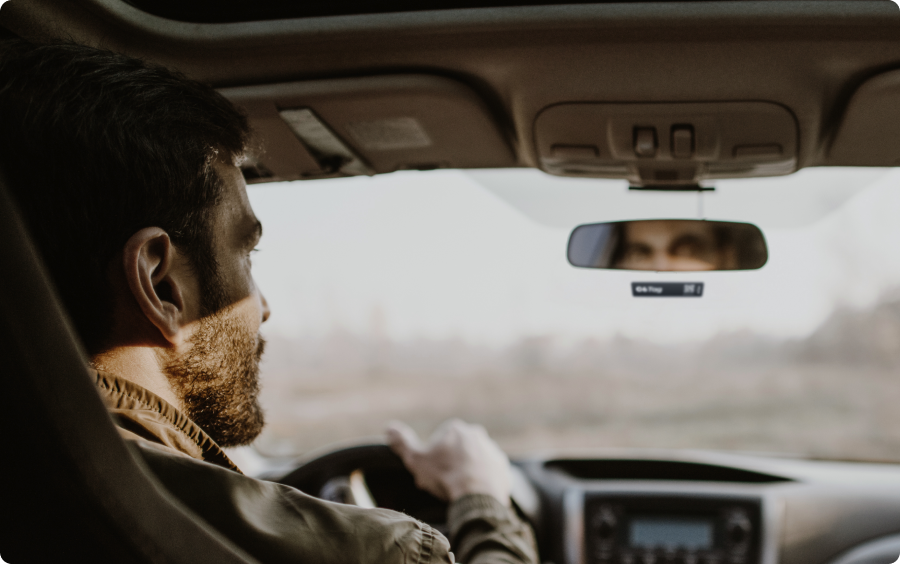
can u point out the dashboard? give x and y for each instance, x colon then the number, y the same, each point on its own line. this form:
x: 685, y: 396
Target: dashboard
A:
x: 662, y: 507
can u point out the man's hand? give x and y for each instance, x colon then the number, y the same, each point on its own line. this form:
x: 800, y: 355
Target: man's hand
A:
x: 459, y: 459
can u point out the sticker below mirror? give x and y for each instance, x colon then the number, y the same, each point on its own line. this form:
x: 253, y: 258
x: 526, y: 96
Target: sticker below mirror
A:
x: 667, y: 289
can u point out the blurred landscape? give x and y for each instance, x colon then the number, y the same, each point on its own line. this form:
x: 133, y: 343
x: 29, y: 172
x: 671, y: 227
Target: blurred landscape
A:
x: 834, y: 394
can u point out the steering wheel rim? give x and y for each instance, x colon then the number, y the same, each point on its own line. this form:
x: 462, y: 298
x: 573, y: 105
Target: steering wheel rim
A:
x: 384, y: 470
x: 311, y: 475
x: 390, y: 484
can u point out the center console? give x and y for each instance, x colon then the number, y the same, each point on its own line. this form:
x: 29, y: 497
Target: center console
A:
x: 620, y: 527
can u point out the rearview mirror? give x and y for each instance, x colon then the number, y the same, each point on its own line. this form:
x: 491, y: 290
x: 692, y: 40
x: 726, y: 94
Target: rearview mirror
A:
x: 668, y: 245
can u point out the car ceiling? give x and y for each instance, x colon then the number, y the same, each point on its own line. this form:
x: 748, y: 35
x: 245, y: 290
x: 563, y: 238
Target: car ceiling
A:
x: 822, y: 70
x: 219, y: 11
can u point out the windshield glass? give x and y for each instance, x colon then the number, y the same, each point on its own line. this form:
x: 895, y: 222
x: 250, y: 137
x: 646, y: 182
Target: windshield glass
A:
x: 426, y: 295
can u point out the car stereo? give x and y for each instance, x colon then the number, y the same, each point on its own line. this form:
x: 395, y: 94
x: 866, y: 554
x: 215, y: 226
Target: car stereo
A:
x: 670, y: 530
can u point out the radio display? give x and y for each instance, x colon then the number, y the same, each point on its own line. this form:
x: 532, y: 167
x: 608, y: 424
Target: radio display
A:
x: 689, y: 533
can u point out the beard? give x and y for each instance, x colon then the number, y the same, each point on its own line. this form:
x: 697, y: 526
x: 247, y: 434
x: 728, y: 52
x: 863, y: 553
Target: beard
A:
x: 218, y: 379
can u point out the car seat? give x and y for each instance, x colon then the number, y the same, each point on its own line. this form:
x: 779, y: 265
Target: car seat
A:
x: 71, y: 490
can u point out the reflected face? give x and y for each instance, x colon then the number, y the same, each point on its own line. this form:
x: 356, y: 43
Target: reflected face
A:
x: 218, y: 377
x: 669, y: 245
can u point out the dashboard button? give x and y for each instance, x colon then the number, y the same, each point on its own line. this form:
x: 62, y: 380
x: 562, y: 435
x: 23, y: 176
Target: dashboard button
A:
x: 604, y: 523
x: 738, y: 530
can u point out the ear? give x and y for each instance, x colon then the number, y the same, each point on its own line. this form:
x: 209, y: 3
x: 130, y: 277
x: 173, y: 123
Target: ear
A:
x: 158, y: 281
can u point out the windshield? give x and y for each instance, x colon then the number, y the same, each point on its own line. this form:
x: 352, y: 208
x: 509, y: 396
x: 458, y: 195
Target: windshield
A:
x: 426, y: 295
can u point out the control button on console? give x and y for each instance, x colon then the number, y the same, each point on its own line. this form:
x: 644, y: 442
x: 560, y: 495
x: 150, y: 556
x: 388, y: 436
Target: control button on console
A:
x: 669, y: 556
x: 682, y: 141
x: 604, y: 523
x: 645, y: 141
x: 738, y: 530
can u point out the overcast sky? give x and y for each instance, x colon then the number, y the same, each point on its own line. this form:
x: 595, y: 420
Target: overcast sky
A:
x: 481, y: 255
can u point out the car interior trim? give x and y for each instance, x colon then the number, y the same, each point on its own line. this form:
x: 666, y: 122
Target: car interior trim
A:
x: 573, y: 515
x: 882, y: 549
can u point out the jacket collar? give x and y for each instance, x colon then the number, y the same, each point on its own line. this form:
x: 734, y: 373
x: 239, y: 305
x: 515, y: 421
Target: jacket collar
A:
x: 141, y: 413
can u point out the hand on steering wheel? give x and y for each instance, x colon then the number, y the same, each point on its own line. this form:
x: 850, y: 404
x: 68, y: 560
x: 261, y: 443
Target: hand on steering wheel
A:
x: 459, y: 459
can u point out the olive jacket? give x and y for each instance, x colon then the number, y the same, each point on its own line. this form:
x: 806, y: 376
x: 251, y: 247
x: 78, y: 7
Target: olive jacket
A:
x: 276, y: 523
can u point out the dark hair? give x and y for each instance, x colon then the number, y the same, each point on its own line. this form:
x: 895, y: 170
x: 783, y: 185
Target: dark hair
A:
x: 96, y: 146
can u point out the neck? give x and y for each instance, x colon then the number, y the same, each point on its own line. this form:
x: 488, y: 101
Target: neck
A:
x: 141, y: 366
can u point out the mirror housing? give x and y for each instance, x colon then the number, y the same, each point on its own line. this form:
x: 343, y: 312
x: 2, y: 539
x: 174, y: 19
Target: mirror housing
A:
x: 668, y: 245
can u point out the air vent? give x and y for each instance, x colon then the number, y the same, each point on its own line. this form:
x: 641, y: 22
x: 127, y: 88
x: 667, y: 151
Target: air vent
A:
x: 658, y: 470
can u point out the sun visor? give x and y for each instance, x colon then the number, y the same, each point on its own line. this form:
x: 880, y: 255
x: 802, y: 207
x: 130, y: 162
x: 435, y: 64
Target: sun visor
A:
x: 667, y: 145
x: 371, y: 125
x: 869, y: 134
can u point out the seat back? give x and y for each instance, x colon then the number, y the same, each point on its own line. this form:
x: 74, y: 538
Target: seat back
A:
x: 70, y: 488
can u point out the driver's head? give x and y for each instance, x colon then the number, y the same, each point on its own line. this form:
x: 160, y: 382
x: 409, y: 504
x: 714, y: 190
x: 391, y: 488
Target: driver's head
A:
x: 126, y: 175
x: 673, y: 245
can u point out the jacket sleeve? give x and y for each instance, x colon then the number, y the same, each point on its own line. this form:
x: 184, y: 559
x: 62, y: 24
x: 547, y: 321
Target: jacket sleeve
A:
x: 278, y: 524
x: 484, y: 531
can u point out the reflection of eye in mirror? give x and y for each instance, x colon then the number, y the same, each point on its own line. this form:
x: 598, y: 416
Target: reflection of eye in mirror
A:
x: 668, y: 245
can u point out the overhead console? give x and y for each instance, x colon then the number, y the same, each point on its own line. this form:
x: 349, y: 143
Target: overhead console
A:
x: 667, y: 145
x: 869, y: 134
x: 370, y: 125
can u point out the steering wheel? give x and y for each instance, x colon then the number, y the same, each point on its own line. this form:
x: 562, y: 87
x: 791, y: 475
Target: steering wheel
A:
x: 373, y: 475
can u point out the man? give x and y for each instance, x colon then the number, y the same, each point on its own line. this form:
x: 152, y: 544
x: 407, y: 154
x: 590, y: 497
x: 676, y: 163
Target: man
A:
x: 127, y: 176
